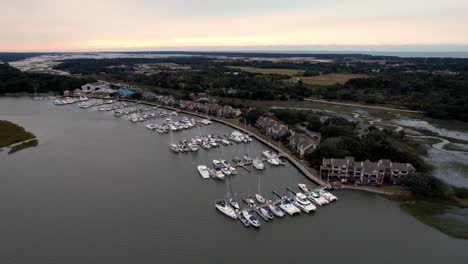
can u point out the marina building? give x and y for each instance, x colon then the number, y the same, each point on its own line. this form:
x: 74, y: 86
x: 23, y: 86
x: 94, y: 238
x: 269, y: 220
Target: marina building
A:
x: 364, y: 172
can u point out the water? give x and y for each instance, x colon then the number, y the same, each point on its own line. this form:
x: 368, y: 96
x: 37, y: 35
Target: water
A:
x: 99, y: 189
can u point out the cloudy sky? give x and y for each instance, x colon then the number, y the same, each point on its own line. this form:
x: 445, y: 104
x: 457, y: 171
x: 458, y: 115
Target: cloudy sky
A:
x: 63, y: 25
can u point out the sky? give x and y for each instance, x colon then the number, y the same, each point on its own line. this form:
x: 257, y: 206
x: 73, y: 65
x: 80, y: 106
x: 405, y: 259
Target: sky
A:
x: 98, y: 25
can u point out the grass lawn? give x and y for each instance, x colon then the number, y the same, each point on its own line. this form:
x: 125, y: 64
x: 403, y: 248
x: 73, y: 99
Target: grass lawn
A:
x: 330, y: 79
x: 445, y: 218
x: 11, y: 133
x: 290, y: 72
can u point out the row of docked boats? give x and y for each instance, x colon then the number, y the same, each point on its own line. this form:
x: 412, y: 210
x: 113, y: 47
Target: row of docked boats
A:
x: 107, y: 108
x: 170, y: 125
x: 86, y: 105
x: 300, y: 202
x: 205, y: 142
x: 69, y: 100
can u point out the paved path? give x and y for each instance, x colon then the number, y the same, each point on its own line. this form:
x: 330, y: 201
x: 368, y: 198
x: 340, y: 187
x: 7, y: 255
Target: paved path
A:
x: 363, y: 106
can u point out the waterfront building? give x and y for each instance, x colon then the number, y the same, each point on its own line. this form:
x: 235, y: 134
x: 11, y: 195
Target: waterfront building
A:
x: 364, y: 172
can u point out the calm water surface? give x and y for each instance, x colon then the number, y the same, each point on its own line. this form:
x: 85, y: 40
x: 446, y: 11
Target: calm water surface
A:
x: 99, y: 189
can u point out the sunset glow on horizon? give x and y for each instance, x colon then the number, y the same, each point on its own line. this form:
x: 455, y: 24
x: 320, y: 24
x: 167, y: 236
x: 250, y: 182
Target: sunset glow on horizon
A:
x: 50, y: 25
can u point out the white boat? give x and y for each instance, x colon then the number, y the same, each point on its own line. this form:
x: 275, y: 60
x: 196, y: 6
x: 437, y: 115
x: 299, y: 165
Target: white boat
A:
x: 330, y: 197
x: 276, y: 210
x: 226, y: 171
x: 301, y: 202
x: 252, y: 220
x: 269, y: 154
x: 193, y: 147
x: 288, y: 207
x: 273, y: 162
x: 224, y: 208
x: 233, y: 170
x: 225, y: 142
x: 151, y: 126
x: 250, y: 201
x: 217, y: 163
x: 258, y: 164
x: 316, y: 198
x: 265, y: 211
x: 174, y: 147
x: 304, y: 188
x: 260, y: 198
x: 243, y: 220
x: 219, y: 174
x: 203, y: 170
x: 234, y: 203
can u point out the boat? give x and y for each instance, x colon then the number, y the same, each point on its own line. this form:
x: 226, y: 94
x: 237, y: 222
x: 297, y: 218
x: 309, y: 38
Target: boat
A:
x: 218, y: 174
x: 203, y: 170
x: 234, y: 203
x: 193, y: 147
x: 316, y: 198
x: 250, y: 201
x: 269, y: 154
x: 224, y: 208
x: 226, y: 171
x: 233, y: 170
x: 258, y: 164
x: 273, y: 162
x: 247, y: 158
x: 151, y: 126
x: 301, y: 202
x: 252, y: 220
x: 241, y: 218
x: 174, y: 147
x: 304, y: 188
x: 288, y: 207
x: 276, y: 210
x: 330, y: 197
x: 217, y: 164
x: 225, y: 142
x: 260, y: 198
x: 265, y: 211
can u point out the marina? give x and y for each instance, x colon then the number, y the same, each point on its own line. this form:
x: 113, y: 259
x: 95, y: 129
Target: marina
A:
x: 118, y: 200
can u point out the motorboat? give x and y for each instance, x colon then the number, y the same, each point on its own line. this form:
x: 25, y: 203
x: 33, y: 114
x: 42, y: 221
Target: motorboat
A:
x: 303, y: 188
x: 218, y: 174
x: 258, y: 164
x: 217, y: 164
x: 301, y: 202
x: 243, y: 220
x: 151, y: 126
x: 330, y: 197
x: 224, y: 208
x: 265, y: 211
x: 203, y: 170
x: 174, y: 147
x: 269, y: 154
x: 260, y: 198
x: 276, y: 210
x: 252, y: 220
x: 226, y: 171
x: 273, y: 162
x: 316, y: 198
x: 247, y: 158
x: 193, y: 147
x: 234, y: 203
x: 233, y: 170
x: 225, y: 142
x: 250, y: 201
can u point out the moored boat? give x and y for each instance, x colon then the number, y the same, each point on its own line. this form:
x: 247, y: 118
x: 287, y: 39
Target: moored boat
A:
x: 224, y: 208
x: 204, y: 172
x: 252, y: 220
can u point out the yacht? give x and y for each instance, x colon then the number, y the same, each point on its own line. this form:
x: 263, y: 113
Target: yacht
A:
x: 250, y: 201
x: 330, y: 197
x: 225, y: 142
x: 233, y: 170
x: 260, y: 198
x: 226, y: 171
x: 301, y: 202
x: 193, y: 147
x: 273, y: 162
x: 247, y: 158
x: 224, y: 208
x: 203, y: 170
x: 258, y: 164
x: 252, y: 220
x: 276, y: 210
x: 316, y: 198
x: 218, y: 174
x: 217, y: 164
x: 234, y: 203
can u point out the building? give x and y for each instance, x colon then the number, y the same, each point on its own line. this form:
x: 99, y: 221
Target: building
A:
x: 364, y: 172
x: 94, y: 87
x: 302, y: 144
x: 271, y: 127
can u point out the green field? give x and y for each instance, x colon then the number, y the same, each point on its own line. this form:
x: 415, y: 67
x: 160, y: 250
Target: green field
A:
x: 290, y: 72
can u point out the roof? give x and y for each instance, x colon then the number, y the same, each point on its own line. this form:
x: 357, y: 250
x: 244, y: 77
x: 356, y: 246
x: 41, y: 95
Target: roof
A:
x: 125, y: 92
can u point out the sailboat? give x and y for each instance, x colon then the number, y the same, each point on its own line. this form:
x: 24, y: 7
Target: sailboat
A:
x: 259, y: 198
x: 231, y: 199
